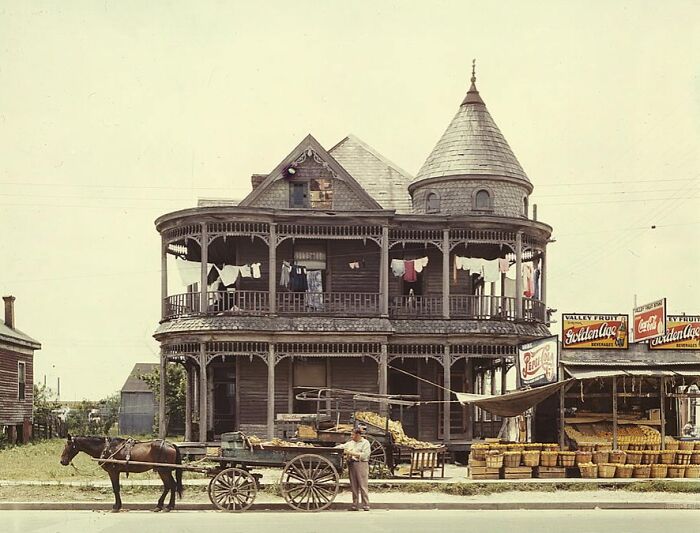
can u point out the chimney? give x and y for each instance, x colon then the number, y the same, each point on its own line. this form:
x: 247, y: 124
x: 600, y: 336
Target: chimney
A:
x: 9, y: 311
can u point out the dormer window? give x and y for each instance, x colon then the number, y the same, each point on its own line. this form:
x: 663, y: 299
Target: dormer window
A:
x: 482, y: 200
x: 432, y: 203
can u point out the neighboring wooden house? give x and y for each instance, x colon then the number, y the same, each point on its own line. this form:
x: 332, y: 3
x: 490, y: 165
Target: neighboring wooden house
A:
x: 250, y: 337
x: 138, y: 403
x: 16, y: 377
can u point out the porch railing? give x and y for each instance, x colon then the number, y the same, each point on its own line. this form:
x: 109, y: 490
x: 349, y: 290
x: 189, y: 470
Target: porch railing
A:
x: 328, y: 303
x: 482, y: 307
x: 416, y: 307
x: 181, y: 304
x: 243, y: 302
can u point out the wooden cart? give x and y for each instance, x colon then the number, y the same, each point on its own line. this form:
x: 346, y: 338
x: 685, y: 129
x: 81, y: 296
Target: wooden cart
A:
x: 310, y: 475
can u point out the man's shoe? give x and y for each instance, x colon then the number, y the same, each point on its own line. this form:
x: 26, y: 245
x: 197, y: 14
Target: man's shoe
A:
x: 353, y: 509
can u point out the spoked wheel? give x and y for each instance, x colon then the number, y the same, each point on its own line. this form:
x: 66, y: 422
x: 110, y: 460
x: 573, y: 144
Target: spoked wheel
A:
x: 233, y: 490
x: 309, y: 483
x: 378, y: 466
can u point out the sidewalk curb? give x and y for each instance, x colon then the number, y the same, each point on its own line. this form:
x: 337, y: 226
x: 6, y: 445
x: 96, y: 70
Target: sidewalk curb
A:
x: 447, y: 506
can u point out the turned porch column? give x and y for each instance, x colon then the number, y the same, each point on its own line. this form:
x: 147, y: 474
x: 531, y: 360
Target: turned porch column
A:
x: 446, y: 273
x: 518, y: 275
x: 543, y: 282
x: 446, y: 394
x: 162, y: 426
x: 188, y: 401
x: 271, y: 392
x: 384, y: 273
x: 203, y: 390
x: 272, y: 262
x: 203, y: 296
x: 383, y: 368
x: 163, y: 278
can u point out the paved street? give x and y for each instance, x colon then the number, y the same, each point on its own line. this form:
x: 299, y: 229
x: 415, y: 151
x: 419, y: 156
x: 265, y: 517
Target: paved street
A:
x: 340, y: 521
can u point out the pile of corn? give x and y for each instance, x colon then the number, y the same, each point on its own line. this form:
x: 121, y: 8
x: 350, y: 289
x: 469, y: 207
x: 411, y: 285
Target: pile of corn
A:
x: 257, y: 441
x: 395, y: 428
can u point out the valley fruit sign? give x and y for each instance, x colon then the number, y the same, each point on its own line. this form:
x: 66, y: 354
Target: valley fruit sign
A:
x: 594, y: 332
x: 538, y: 362
x: 649, y: 320
x: 682, y: 333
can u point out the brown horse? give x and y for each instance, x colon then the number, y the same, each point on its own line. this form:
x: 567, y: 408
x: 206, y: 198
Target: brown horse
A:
x: 155, y: 451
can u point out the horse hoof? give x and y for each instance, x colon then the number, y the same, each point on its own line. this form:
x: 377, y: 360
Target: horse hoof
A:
x: 157, y: 509
x: 114, y: 511
x: 167, y: 509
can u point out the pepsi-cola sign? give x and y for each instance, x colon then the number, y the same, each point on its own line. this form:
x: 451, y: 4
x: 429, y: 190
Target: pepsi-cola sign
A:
x: 538, y: 362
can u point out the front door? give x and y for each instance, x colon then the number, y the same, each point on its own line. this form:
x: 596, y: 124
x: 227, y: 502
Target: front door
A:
x: 224, y: 398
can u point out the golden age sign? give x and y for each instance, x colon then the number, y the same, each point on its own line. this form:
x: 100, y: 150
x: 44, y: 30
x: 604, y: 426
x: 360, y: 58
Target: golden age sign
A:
x: 595, y: 332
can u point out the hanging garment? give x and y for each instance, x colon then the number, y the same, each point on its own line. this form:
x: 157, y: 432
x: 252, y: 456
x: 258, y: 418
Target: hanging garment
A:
x: 246, y: 271
x: 297, y: 279
x: 284, y: 274
x: 255, y: 268
x: 503, y: 265
x: 354, y: 265
x: 528, y: 283
x: 190, y: 271
x: 409, y: 271
x: 397, y: 267
x: 229, y: 274
x: 490, y: 270
x: 509, y: 287
x: 314, y: 298
x: 474, y: 265
x: 212, y: 275
x: 420, y: 264
x: 537, y: 282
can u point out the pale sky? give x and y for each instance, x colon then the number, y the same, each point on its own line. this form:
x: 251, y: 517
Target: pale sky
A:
x: 113, y: 113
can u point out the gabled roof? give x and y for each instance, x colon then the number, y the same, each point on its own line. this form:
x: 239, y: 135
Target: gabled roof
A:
x: 385, y: 181
x: 310, y: 143
x: 472, y: 145
x: 15, y: 336
x: 134, y: 383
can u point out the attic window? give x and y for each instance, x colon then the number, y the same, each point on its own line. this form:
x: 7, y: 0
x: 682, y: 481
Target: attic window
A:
x: 432, y: 203
x: 482, y: 200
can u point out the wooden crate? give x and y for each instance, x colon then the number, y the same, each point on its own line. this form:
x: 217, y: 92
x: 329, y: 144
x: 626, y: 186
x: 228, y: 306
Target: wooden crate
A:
x: 482, y: 472
x: 485, y: 476
x: 474, y: 462
x: 550, y: 472
x: 516, y: 472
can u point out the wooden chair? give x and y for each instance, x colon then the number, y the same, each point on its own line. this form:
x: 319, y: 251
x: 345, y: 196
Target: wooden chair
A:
x: 428, y: 460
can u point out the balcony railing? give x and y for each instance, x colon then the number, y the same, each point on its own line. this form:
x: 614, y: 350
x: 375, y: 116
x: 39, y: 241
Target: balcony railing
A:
x: 416, y: 307
x: 256, y: 303
x: 328, y: 303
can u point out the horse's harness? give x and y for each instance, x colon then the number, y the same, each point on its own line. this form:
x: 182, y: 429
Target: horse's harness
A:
x: 127, y: 446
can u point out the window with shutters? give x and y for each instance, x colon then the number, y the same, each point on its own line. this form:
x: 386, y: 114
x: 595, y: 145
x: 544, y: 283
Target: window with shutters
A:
x: 299, y: 194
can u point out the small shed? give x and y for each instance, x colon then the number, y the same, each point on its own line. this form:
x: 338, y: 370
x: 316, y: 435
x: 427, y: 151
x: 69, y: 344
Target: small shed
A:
x: 138, y: 403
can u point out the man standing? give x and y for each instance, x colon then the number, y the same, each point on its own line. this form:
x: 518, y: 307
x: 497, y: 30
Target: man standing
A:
x: 357, y: 450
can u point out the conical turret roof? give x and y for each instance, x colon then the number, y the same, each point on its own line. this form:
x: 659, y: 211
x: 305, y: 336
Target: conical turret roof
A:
x: 472, y: 145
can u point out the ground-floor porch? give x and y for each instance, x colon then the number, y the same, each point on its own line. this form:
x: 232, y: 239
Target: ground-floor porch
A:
x: 246, y: 386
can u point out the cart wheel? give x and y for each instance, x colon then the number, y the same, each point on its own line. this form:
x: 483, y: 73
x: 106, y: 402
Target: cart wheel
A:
x: 377, y: 458
x: 233, y: 489
x: 309, y: 483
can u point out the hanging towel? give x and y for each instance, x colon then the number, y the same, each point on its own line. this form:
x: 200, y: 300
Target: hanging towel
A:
x: 246, y: 271
x: 284, y: 274
x: 229, y: 274
x: 409, y: 271
x: 509, y: 287
x: 490, y: 270
x: 503, y: 265
x: 297, y: 279
x: 420, y: 264
x: 255, y: 268
x: 190, y: 271
x: 354, y: 265
x: 397, y: 267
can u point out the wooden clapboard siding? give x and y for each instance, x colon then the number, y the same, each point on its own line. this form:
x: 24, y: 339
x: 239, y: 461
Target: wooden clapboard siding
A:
x: 13, y: 411
x: 428, y: 414
x: 282, y: 386
x: 253, y: 391
x: 342, y: 277
x: 356, y: 374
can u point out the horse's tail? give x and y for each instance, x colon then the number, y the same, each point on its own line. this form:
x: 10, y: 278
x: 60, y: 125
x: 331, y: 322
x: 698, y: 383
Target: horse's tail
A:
x: 178, y: 472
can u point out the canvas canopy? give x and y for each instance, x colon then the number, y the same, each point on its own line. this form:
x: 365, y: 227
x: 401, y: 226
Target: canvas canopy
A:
x: 592, y: 372
x: 511, y: 403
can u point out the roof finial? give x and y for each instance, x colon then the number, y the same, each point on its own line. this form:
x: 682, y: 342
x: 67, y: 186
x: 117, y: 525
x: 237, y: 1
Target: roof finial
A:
x: 473, y: 71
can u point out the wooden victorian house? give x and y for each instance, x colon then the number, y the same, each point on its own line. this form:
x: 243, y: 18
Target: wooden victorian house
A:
x: 341, y: 270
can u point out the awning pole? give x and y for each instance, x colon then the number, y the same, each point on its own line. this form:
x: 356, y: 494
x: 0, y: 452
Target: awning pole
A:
x: 562, y: 396
x: 662, y: 391
x: 614, y: 411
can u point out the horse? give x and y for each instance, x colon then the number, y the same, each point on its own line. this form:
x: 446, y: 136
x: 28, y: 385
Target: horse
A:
x: 155, y: 451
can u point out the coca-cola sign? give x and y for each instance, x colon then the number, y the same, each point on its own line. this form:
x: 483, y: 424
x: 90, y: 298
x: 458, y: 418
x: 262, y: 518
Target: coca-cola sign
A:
x: 682, y: 333
x: 538, y: 362
x: 649, y: 321
x: 593, y: 332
